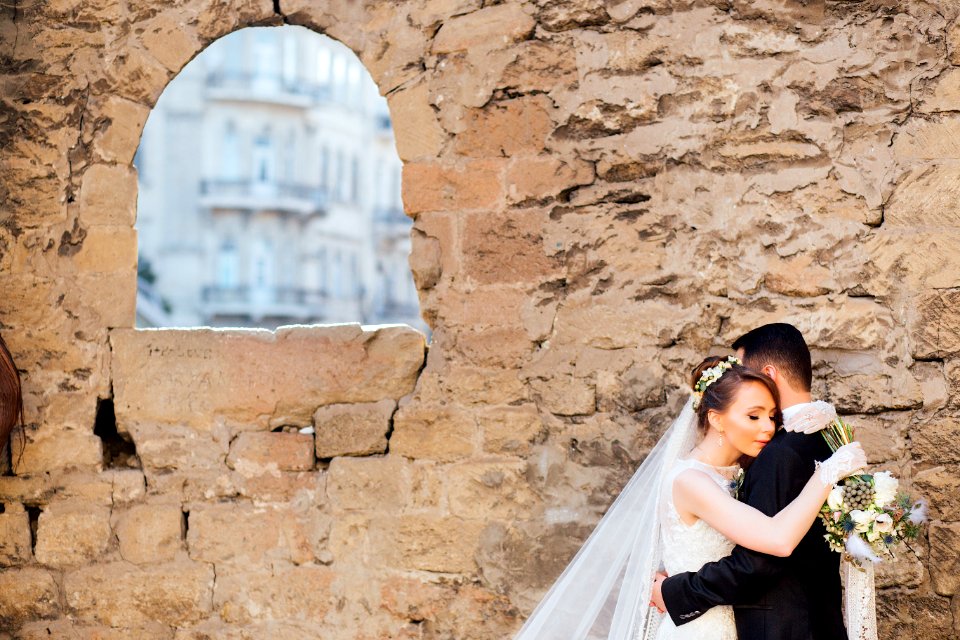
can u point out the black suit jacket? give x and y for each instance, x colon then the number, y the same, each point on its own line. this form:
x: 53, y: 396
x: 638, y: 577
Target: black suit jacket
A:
x: 794, y: 598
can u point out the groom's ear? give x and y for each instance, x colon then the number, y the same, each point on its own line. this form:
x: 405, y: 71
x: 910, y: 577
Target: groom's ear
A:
x: 771, y: 372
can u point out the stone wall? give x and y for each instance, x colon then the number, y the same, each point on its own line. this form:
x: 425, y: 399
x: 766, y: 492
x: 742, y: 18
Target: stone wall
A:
x: 603, y: 192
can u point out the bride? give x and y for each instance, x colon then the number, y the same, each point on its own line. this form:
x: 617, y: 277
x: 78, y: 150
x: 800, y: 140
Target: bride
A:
x: 679, y: 511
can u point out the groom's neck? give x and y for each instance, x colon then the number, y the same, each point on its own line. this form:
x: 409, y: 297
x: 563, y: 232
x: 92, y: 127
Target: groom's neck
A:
x: 789, y: 397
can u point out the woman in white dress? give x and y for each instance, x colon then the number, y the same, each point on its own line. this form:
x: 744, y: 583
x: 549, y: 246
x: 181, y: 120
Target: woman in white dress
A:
x: 679, y: 511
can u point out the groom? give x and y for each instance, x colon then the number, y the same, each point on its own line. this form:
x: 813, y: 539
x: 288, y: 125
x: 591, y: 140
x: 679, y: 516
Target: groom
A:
x: 793, y: 598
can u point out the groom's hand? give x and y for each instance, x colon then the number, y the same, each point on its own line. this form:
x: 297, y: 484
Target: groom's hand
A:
x: 656, y: 597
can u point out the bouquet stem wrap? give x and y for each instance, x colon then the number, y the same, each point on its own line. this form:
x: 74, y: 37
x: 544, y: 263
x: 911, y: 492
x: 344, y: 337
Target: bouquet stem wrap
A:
x: 860, y: 607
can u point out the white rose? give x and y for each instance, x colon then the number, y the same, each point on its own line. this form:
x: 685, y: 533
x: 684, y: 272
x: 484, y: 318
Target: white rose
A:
x: 835, y: 499
x: 883, y: 523
x: 861, y: 519
x: 885, y: 486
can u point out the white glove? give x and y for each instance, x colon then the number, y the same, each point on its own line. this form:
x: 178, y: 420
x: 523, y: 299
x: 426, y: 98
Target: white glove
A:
x: 811, y: 418
x: 845, y: 461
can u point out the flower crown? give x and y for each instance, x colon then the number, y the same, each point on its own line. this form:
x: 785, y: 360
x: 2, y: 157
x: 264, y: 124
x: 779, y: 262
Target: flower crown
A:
x: 711, y: 375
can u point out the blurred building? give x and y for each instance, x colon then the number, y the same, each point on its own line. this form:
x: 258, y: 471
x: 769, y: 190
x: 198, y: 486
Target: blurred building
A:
x: 270, y: 191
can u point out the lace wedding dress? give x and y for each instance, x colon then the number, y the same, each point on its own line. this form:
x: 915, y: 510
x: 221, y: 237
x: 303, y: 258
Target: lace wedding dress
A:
x: 689, y: 547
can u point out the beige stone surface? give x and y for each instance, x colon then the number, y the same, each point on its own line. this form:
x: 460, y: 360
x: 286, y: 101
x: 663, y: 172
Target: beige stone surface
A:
x: 305, y: 593
x: 493, y: 26
x: 433, y: 432
x: 945, y: 558
x: 377, y: 484
x: 72, y: 532
x: 150, y: 533
x: 427, y: 543
x: 26, y: 594
x: 15, y: 537
x: 352, y: 429
x: 207, y: 373
x: 122, y: 595
x: 242, y: 534
x: 602, y: 193
x: 261, y: 451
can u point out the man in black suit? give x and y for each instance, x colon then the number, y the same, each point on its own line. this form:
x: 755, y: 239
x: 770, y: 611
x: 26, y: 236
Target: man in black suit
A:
x: 793, y: 598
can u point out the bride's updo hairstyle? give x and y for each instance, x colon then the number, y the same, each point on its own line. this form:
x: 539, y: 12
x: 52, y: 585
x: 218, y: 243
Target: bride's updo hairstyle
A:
x: 722, y: 392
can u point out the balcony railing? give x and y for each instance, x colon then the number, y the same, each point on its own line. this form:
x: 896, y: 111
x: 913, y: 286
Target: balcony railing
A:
x: 248, y: 194
x: 245, y: 295
x: 269, y: 87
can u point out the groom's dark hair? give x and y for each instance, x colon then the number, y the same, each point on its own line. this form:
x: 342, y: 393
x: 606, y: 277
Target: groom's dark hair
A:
x: 781, y: 345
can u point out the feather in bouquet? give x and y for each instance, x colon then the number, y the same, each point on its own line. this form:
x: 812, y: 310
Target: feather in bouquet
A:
x: 865, y: 516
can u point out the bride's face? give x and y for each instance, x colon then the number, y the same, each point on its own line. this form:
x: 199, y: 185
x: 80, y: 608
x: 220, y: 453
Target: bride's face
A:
x: 749, y: 423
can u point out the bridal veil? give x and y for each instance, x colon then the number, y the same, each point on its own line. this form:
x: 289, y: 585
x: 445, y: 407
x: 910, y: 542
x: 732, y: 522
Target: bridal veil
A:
x: 604, y: 592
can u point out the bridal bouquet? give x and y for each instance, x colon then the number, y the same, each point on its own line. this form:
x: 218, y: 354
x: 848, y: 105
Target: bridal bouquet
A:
x: 865, y: 516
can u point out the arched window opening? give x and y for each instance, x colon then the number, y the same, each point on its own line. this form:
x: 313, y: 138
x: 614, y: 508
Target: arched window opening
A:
x: 274, y: 193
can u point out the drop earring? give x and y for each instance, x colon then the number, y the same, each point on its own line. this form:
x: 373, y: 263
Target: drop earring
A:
x: 720, y: 441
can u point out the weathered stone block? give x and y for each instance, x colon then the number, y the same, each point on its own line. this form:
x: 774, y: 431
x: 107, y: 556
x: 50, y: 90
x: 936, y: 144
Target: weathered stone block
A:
x: 52, y: 450
x: 510, y: 430
x: 473, y: 184
x: 883, y: 436
x: 281, y: 486
x: 27, y: 594
x: 260, y: 452
x: 107, y: 249
x: 489, y: 490
x: 15, y: 543
x: 507, y: 247
x: 945, y: 558
x: 170, y: 40
x: 128, y: 485
x: 352, y: 429
x: 491, y: 27
x: 941, y: 486
x: 380, y: 484
x: 427, y: 543
x: 177, y: 447
x: 506, y: 129
x: 150, y: 533
x: 66, y: 628
x: 935, y: 330
x: 118, y: 140
x: 544, y: 177
x: 924, y: 198
x: 435, y: 432
x: 209, y: 373
x: 295, y: 593
x: 71, y: 533
x: 919, y: 616
x: 244, y: 534
x: 124, y: 595
x: 936, y: 441
x: 416, y: 128
x: 108, y: 195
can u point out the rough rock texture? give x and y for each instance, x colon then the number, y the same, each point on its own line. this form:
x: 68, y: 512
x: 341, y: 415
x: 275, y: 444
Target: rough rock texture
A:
x: 602, y: 192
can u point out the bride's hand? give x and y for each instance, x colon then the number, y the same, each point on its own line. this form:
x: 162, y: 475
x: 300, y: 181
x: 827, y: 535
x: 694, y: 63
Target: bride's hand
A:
x: 845, y: 461
x: 656, y: 596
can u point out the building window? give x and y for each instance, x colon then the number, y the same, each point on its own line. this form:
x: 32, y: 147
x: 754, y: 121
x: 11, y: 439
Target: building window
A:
x: 323, y: 66
x: 290, y: 61
x: 355, y: 179
x: 341, y: 176
x: 227, y: 266
x: 263, y: 161
x: 230, y: 153
x: 324, y: 168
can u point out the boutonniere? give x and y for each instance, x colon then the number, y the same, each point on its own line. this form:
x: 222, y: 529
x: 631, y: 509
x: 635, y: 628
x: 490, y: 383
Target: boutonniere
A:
x: 736, y: 484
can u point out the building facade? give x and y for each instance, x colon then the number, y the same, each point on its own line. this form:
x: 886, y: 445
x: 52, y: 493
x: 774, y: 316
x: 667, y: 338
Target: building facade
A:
x: 270, y: 191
